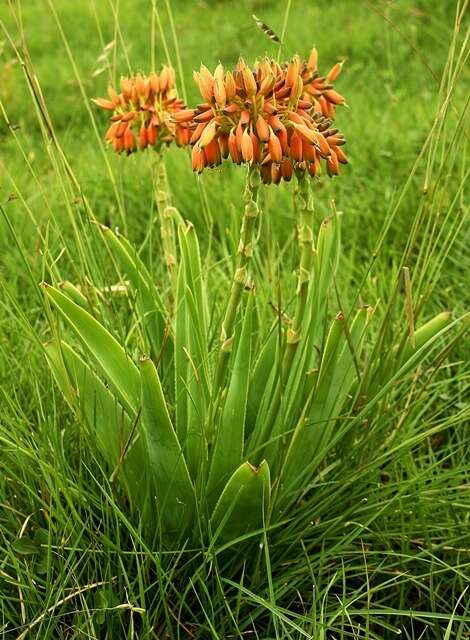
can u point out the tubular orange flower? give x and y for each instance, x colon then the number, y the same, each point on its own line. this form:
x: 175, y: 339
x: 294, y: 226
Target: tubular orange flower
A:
x: 318, y: 89
x: 274, y: 117
x: 146, y: 113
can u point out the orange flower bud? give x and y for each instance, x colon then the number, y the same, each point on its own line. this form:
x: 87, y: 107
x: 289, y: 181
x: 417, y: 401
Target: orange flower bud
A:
x: 336, y: 141
x: 304, y: 104
x: 111, y: 132
x: 220, y: 94
x: 269, y: 108
x: 208, y: 134
x: 128, y: 116
x: 244, y: 117
x: 312, y: 62
x: 238, y: 135
x: 267, y: 85
x: 230, y: 86
x: 198, y: 159
x: 286, y: 169
x: 283, y: 93
x: 164, y: 79
x: 276, y: 174
x: 205, y: 116
x: 182, y: 136
x: 295, y: 118
x: 223, y: 144
x: 326, y: 107
x: 154, y: 83
x: 249, y: 82
x: 113, y: 95
x: 247, y: 147
x: 205, y: 82
x: 283, y: 139
x: 118, y: 145
x: 129, y: 142
x: 275, y: 123
x: 151, y: 135
x: 184, y: 115
x: 126, y: 89
x: 262, y: 129
x: 296, y: 146
x: 171, y: 78
x: 297, y: 89
x: 342, y: 157
x: 274, y: 147
x: 308, y: 151
x: 234, y: 148
x: 230, y: 109
x: 256, y: 147
x: 293, y: 69
x: 332, y: 164
x: 322, y: 143
x: 197, y: 132
x: 334, y: 72
x: 333, y: 96
x: 143, y: 140
x: 265, y: 173
x: 140, y: 84
x: 305, y: 132
x: 121, y: 129
x: 212, y: 154
x: 104, y: 104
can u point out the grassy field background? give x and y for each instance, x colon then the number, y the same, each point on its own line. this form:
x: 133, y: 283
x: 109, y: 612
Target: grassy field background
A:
x: 390, y: 558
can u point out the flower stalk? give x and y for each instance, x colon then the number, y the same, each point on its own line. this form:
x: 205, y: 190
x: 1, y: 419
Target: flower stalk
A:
x: 167, y: 232
x: 294, y: 335
x: 305, y: 239
x: 240, y: 279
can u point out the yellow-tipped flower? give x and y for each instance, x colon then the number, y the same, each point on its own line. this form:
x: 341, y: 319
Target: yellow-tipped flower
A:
x: 273, y: 117
x: 146, y: 113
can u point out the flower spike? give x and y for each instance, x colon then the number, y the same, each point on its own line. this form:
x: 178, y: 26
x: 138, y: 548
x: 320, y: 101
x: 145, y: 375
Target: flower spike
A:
x: 146, y: 113
x: 274, y: 117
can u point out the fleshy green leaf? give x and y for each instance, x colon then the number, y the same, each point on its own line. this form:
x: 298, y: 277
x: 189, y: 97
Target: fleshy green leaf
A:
x: 243, y: 503
x: 424, y: 334
x: 150, y: 305
x: 191, y: 353
x: 175, y: 493
x: 94, y: 403
x: 228, y: 449
x: 110, y: 357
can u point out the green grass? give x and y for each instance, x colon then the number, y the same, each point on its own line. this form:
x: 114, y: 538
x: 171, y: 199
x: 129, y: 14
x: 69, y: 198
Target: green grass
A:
x: 381, y: 545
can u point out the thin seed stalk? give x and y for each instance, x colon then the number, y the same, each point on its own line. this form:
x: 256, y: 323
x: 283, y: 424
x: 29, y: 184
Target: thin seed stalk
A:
x: 167, y: 232
x: 240, y: 279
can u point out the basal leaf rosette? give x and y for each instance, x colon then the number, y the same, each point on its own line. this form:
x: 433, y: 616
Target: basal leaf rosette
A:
x: 277, y: 118
x: 143, y: 113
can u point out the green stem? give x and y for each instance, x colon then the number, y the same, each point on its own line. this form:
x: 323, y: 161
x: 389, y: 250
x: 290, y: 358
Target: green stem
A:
x: 240, y: 279
x: 167, y: 233
x: 305, y: 239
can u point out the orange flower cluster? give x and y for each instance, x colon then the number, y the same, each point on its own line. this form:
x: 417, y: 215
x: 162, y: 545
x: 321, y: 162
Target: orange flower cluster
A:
x: 319, y: 89
x: 277, y: 118
x: 143, y: 113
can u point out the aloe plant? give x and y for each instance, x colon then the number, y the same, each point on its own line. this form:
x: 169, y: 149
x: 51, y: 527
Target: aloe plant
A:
x: 241, y: 455
x: 231, y: 436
